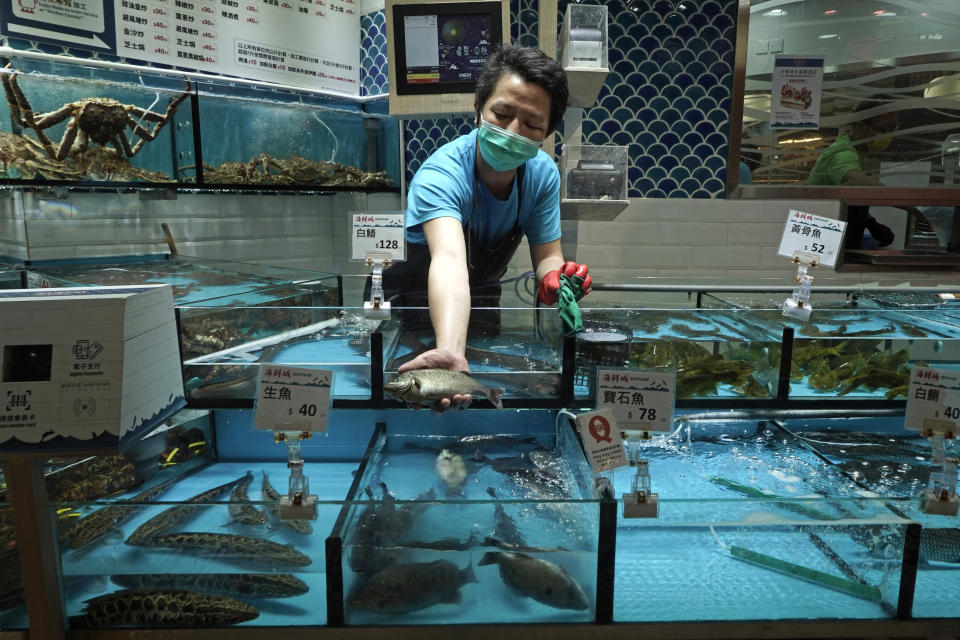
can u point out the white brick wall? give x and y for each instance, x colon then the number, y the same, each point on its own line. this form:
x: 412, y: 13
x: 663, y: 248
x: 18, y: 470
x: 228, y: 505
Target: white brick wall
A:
x: 671, y: 240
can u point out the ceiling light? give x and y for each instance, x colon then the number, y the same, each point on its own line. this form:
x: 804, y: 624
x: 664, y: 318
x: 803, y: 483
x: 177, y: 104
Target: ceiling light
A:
x: 775, y: 13
x: 827, y: 36
x: 883, y: 13
x: 924, y: 14
x: 830, y: 12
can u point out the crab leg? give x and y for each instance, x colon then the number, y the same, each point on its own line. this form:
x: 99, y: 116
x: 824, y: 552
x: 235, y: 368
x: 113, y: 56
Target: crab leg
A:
x: 69, y: 135
x: 148, y: 135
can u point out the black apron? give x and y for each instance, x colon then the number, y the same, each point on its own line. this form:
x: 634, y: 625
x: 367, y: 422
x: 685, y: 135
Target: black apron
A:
x: 405, y: 283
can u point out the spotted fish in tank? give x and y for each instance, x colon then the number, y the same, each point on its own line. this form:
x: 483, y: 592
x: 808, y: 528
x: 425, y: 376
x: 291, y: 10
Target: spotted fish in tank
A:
x: 270, y: 494
x: 106, y: 519
x: 405, y: 588
x: 538, y: 579
x: 240, y: 509
x: 249, y: 585
x: 247, y: 550
x: 178, y: 514
x: 162, y: 607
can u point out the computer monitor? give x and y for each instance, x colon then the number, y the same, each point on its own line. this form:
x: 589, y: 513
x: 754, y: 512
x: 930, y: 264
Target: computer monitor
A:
x: 441, y: 48
x: 437, y: 50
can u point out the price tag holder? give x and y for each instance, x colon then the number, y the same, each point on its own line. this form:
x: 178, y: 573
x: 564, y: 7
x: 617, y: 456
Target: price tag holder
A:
x: 813, y: 239
x: 641, y: 400
x: 379, y: 236
x: 292, y: 399
x: 933, y: 403
x: 601, y: 440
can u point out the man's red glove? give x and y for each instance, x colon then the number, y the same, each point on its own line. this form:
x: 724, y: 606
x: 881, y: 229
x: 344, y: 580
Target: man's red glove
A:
x: 549, y: 287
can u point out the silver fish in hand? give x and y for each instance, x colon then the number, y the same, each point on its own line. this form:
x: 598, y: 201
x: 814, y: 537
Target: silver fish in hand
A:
x: 428, y: 386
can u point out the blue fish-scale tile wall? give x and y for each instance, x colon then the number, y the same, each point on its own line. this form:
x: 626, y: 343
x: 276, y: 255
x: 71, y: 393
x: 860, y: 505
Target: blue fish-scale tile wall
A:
x: 667, y: 96
x: 373, y: 54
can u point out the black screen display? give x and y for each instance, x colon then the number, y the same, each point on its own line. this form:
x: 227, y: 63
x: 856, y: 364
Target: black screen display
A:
x: 441, y: 48
x: 27, y: 362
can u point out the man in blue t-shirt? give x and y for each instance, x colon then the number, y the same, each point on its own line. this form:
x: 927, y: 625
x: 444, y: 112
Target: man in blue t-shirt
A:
x: 475, y: 198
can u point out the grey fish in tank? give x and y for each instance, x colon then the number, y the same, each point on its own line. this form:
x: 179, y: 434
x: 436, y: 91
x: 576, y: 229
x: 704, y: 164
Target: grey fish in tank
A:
x: 379, y: 527
x: 405, y: 588
x: 106, y: 519
x: 452, y: 471
x: 303, y: 527
x: 162, y: 607
x: 249, y: 585
x: 427, y: 386
x: 539, y: 579
x: 247, y: 550
x: 504, y: 527
x: 241, y: 510
x: 178, y: 514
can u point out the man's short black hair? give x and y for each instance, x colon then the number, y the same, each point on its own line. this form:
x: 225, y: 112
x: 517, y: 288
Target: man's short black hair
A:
x: 535, y: 67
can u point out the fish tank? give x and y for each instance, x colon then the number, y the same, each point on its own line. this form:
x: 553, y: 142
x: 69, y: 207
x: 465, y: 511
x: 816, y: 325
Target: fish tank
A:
x: 779, y: 519
x: 225, y: 346
x: 499, y: 526
x: 13, y: 611
x: 713, y: 353
x: 194, y: 280
x: 291, y: 139
x: 99, y: 125
x: 194, y: 537
x: 518, y: 350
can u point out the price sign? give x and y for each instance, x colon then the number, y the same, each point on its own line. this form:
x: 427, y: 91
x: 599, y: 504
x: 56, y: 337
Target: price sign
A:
x: 602, y: 440
x: 933, y: 403
x: 812, y: 238
x: 379, y: 236
x: 638, y: 399
x: 292, y: 399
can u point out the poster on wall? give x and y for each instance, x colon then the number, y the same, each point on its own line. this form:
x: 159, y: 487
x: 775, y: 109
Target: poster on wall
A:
x: 797, y: 86
x: 312, y: 44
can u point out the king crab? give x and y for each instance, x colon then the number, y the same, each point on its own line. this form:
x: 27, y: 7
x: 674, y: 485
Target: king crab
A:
x: 102, y: 120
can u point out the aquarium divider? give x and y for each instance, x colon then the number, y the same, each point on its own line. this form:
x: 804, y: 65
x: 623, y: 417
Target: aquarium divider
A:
x: 376, y: 367
x: 606, y: 558
x: 333, y: 545
x: 568, y: 368
x: 197, y: 142
x: 908, y: 570
x: 786, y: 361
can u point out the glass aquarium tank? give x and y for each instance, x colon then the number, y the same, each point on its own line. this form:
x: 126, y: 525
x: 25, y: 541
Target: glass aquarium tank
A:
x: 175, y: 539
x: 224, y: 347
x: 499, y: 526
x: 293, y: 139
x: 769, y: 520
x: 213, y: 282
x: 89, y: 124
x: 515, y: 350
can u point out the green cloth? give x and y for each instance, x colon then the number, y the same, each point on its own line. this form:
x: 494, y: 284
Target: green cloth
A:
x: 571, y: 290
x: 835, y: 162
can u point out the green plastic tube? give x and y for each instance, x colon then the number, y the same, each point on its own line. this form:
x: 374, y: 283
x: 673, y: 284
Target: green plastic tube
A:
x: 783, y: 502
x: 856, y: 589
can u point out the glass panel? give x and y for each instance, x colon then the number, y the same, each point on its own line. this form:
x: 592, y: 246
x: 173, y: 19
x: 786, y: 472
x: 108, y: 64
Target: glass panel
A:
x: 195, y: 280
x: 100, y: 125
x: 182, y: 522
x: 223, y: 347
x: 458, y: 530
x: 890, y: 93
x: 516, y: 350
x: 712, y: 352
x: 291, y: 139
x: 758, y: 524
x: 13, y: 611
